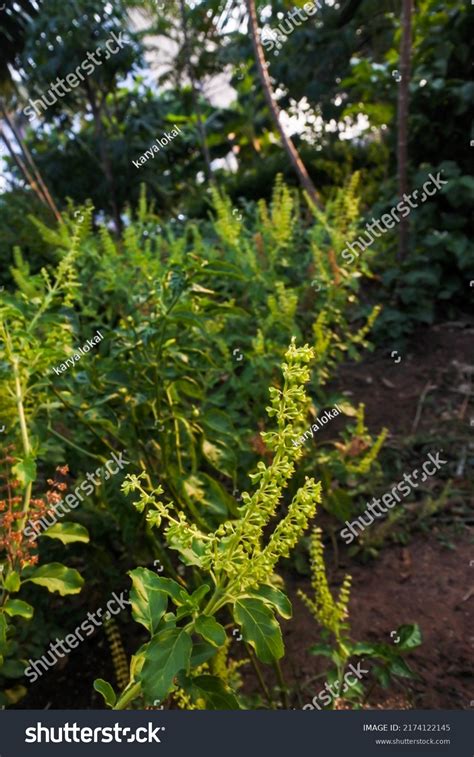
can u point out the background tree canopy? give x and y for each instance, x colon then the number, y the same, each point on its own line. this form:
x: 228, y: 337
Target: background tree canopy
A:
x: 335, y: 79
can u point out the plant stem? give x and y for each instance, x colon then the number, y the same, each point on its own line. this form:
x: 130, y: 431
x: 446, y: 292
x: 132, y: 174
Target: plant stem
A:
x: 128, y: 697
x: 258, y: 673
x: 24, y: 436
x: 282, y: 684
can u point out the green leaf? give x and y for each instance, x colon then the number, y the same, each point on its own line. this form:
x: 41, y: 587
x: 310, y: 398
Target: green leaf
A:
x: 325, y: 650
x: 339, y: 503
x: 149, y: 601
x: 382, y: 675
x: 170, y: 587
x: 410, y: 637
x: 229, y: 270
x: 25, y: 470
x: 189, y: 387
x: 3, y: 630
x: 275, y: 598
x: 398, y: 667
x: 67, y: 533
x: 166, y: 654
x: 104, y: 688
x: 347, y: 409
x: 363, y: 648
x: 13, y: 669
x: 202, y: 652
x: 220, y: 455
x: 259, y: 629
x: 216, y: 420
x: 198, y: 595
x: 208, y: 497
x: 12, y: 582
x: 215, y: 695
x: 56, y: 577
x: 210, y: 630
x: 17, y: 607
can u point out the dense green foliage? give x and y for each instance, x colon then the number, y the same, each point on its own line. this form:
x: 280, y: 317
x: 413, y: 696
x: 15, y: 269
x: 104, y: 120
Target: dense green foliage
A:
x: 172, y: 385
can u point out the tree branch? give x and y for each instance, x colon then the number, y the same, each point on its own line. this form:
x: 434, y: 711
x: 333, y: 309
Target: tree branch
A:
x: 287, y: 142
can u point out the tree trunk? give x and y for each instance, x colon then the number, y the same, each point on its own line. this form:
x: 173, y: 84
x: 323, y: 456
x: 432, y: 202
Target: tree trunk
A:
x: 24, y: 170
x: 31, y: 163
x: 287, y: 142
x: 403, y: 107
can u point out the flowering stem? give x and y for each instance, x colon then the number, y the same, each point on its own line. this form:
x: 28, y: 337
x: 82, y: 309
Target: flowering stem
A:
x: 24, y: 432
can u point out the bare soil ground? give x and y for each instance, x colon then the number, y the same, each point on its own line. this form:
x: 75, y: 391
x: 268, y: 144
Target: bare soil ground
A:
x: 427, y: 395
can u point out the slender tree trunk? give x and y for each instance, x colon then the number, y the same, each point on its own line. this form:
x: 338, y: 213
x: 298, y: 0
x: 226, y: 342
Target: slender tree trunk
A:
x: 195, y: 95
x: 23, y: 169
x: 403, y: 108
x: 31, y: 164
x: 287, y: 142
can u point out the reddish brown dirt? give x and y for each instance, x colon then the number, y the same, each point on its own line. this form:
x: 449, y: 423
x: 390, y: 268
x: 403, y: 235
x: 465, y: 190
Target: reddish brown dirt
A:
x: 391, y: 391
x: 433, y: 594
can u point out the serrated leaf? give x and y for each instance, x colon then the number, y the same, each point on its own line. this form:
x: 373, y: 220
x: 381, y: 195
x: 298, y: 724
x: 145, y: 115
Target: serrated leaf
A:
x: 363, y: 648
x: 170, y: 587
x: 25, y: 470
x: 382, y: 675
x: 166, y: 654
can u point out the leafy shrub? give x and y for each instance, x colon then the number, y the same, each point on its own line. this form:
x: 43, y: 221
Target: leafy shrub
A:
x: 195, y: 321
